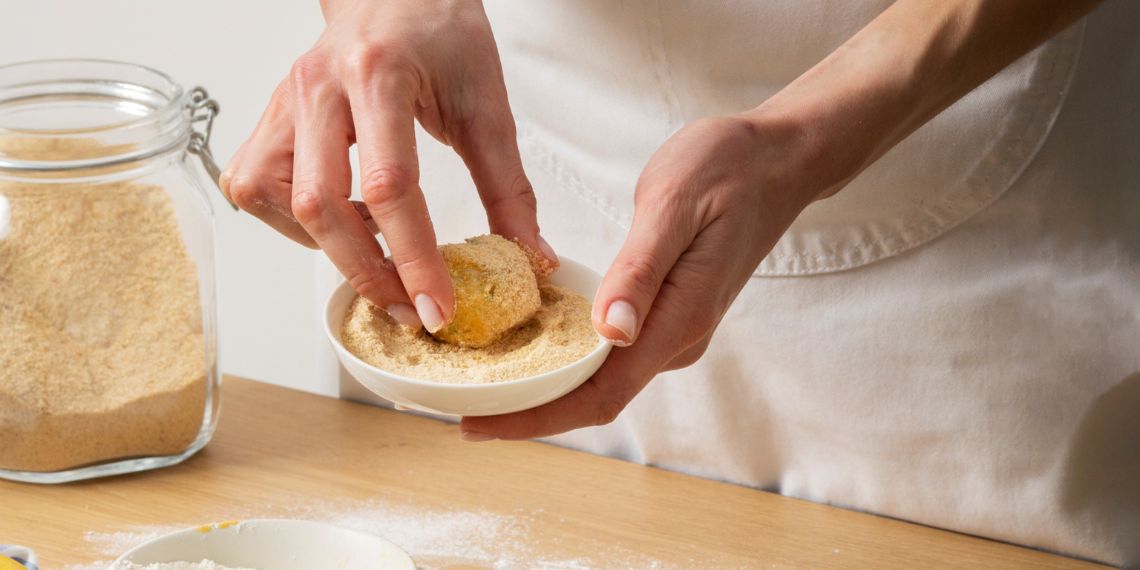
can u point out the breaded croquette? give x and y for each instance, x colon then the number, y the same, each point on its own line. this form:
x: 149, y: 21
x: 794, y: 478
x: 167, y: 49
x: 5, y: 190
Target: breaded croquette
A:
x: 495, y: 290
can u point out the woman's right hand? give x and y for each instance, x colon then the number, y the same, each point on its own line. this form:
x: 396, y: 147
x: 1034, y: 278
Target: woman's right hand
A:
x: 378, y: 66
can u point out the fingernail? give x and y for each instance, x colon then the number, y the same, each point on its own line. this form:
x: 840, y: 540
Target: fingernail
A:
x: 618, y: 343
x: 622, y: 316
x: 475, y: 437
x: 546, y: 249
x: 429, y: 312
x: 404, y: 314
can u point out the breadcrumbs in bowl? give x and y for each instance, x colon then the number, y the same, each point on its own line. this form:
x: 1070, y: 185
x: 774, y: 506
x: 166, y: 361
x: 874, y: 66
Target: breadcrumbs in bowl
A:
x: 543, y: 359
x: 557, y: 335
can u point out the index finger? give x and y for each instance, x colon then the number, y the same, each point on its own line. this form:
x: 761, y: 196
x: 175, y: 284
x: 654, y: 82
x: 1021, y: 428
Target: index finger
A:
x: 322, y: 182
x: 384, y: 118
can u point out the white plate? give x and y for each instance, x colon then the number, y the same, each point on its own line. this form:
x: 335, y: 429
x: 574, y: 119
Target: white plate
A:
x: 471, y: 399
x: 270, y: 544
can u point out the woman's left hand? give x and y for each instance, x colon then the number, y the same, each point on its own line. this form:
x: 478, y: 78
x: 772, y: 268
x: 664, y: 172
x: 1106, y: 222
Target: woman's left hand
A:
x: 710, y: 204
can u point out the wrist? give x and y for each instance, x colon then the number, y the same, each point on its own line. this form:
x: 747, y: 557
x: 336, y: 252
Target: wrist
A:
x: 797, y: 155
x: 895, y: 74
x: 840, y: 116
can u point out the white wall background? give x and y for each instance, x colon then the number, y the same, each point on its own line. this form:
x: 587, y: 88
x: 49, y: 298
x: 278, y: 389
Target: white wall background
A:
x: 239, y: 50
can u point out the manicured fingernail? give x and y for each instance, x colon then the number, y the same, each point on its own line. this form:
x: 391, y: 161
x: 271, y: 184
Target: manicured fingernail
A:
x: 404, y: 314
x: 476, y: 437
x: 546, y: 249
x: 622, y: 316
x: 429, y: 312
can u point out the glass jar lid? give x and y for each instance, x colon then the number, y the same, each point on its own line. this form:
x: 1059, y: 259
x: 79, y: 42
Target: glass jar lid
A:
x: 85, y: 117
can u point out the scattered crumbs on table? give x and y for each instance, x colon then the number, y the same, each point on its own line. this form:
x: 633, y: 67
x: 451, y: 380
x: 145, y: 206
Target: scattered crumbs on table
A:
x: 435, y: 539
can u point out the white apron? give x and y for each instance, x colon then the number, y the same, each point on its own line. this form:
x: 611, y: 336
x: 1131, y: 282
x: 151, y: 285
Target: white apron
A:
x: 954, y: 339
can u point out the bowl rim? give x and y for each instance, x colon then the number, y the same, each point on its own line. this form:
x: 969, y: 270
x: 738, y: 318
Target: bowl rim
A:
x: 604, y: 345
x: 221, y: 526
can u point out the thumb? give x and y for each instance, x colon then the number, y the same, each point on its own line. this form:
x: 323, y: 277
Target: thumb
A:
x: 656, y: 241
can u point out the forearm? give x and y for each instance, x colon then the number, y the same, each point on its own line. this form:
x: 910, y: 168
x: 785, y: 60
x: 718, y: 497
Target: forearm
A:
x: 902, y: 69
x: 330, y: 8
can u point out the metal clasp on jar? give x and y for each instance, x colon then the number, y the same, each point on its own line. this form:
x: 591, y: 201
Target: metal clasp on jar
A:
x: 203, y: 109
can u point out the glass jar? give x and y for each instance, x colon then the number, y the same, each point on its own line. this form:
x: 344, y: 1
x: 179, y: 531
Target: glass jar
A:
x: 108, y: 344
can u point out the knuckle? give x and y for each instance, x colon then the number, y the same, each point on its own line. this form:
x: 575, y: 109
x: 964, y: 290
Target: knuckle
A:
x: 407, y: 263
x: 697, y: 351
x: 607, y: 411
x: 699, y: 324
x: 692, y: 312
x: 690, y: 356
x: 643, y: 273
x: 666, y: 200
x: 246, y: 192
x: 307, y: 70
x: 418, y: 261
x: 365, y: 56
x: 516, y: 190
x: 367, y: 63
x: 521, y: 189
x: 387, y: 184
x: 368, y: 285
x: 684, y: 361
x: 308, y: 206
x: 702, y: 347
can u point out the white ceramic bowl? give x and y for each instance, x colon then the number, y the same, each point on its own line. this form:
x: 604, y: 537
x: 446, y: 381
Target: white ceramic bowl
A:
x: 273, y: 545
x: 471, y: 399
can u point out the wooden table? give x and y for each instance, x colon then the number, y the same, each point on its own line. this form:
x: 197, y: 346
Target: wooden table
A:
x: 277, y: 448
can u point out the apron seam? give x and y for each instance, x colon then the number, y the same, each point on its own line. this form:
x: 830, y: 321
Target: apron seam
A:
x: 938, y: 219
x: 566, y: 177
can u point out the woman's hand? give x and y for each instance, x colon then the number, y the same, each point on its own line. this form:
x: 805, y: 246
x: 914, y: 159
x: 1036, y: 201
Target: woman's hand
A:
x: 711, y: 203
x: 714, y: 200
x: 379, y: 66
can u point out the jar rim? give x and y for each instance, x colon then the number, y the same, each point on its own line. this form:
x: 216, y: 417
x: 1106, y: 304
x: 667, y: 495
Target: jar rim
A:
x: 109, y: 113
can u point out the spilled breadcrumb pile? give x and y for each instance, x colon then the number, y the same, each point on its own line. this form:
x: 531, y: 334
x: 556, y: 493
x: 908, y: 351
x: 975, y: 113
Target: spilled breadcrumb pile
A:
x: 509, y: 334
